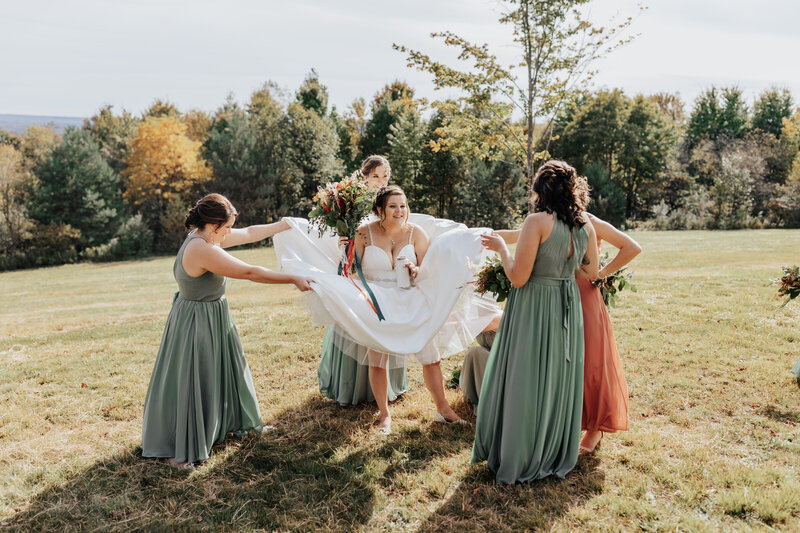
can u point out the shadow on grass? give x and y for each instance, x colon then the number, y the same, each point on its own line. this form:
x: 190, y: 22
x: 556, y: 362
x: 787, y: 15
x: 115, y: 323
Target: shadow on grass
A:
x: 310, y: 473
x: 286, y: 479
x: 481, y: 504
x: 780, y: 415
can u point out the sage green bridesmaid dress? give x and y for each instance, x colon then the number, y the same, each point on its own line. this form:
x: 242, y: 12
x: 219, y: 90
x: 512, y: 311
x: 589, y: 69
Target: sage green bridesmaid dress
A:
x: 796, y: 369
x: 201, y: 388
x: 529, y: 416
x: 345, y: 380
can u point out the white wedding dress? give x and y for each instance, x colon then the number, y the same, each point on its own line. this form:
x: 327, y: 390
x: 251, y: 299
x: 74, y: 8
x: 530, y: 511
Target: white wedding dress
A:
x: 439, y: 316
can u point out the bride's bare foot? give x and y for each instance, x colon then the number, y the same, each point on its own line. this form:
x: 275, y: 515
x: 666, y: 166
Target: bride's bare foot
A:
x: 448, y: 416
x: 590, y: 441
x: 384, y: 424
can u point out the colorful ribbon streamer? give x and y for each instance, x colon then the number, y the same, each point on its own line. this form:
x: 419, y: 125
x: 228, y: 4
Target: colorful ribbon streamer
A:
x: 345, y: 265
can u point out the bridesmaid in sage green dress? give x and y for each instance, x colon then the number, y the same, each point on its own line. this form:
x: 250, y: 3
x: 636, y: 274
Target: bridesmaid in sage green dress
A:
x: 201, y: 388
x: 529, y: 416
x: 343, y: 378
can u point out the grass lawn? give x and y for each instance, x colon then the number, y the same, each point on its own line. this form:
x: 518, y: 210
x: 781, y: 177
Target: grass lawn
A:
x: 714, y: 442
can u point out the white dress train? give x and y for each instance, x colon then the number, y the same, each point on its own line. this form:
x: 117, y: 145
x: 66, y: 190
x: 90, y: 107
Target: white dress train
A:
x: 439, y: 316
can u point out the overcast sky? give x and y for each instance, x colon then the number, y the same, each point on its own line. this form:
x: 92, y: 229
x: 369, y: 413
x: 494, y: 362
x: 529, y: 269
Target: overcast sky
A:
x: 68, y: 58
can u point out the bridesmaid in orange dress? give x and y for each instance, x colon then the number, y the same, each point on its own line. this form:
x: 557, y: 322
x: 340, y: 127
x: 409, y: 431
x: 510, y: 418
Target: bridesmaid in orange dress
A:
x: 605, y: 392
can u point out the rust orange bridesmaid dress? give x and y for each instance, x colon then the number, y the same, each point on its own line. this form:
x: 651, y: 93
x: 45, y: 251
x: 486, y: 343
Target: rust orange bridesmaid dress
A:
x: 605, y: 392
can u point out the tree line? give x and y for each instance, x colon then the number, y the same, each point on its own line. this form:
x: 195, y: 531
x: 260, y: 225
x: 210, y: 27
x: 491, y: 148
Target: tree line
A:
x: 120, y: 185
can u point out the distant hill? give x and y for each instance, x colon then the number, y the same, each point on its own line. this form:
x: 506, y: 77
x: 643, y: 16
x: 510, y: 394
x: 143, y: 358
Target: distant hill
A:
x: 17, y: 124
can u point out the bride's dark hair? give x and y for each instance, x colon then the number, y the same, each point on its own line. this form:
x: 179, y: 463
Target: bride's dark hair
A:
x: 558, y: 189
x: 382, y: 198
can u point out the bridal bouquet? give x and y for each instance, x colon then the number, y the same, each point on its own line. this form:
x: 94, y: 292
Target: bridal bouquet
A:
x: 613, y: 283
x: 341, y: 206
x: 492, y: 278
x: 789, y: 284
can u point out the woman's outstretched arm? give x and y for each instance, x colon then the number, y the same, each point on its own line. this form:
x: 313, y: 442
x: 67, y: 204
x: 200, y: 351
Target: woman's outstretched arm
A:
x: 250, y: 234
x: 201, y: 255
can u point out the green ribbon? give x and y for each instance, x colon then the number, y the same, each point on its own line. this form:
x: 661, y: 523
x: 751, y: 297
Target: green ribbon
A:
x: 361, y: 277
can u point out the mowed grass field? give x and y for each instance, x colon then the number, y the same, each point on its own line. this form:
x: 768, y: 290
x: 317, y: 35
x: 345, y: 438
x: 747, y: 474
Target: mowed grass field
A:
x: 714, y: 442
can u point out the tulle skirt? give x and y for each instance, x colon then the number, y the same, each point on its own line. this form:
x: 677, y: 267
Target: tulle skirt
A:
x: 201, y: 388
x: 343, y: 379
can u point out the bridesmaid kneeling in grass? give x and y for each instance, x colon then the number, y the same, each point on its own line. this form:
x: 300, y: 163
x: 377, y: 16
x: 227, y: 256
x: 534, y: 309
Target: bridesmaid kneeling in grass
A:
x: 201, y: 388
x: 529, y: 416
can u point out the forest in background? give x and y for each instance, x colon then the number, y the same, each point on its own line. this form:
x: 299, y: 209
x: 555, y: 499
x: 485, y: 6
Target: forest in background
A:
x: 120, y: 185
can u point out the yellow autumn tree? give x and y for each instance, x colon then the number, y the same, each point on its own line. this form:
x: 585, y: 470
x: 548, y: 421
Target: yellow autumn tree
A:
x: 164, y: 173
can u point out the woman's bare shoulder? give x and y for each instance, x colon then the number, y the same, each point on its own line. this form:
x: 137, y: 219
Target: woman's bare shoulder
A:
x: 538, y: 218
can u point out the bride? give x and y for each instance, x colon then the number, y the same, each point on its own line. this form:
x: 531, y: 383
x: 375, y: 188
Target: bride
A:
x: 438, y: 316
x: 380, y: 244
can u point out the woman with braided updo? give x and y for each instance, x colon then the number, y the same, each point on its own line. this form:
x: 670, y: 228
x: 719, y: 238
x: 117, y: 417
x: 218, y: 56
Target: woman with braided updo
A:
x: 529, y: 416
x: 201, y: 388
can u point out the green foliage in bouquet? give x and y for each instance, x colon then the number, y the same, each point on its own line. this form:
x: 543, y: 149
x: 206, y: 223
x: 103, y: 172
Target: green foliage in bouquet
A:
x: 492, y: 278
x: 455, y: 379
x: 788, y: 284
x: 342, y: 206
x: 611, y: 285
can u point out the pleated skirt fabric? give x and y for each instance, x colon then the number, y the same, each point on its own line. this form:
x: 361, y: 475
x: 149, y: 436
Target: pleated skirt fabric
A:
x: 529, y: 416
x: 605, y: 391
x: 201, y: 388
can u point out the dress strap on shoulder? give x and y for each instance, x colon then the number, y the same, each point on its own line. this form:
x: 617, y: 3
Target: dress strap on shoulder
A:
x: 411, y: 235
x: 369, y: 229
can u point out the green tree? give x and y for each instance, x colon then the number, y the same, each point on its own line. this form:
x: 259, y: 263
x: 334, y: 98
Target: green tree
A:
x: 630, y: 138
x: 407, y: 144
x: 740, y: 171
x: 492, y: 194
x: 232, y: 149
x: 595, y: 133
x: 114, y: 134
x: 717, y: 113
x: 75, y: 186
x: 558, y: 45
x: 307, y: 150
x: 268, y: 117
x: 647, y: 141
x: 312, y: 95
x: 607, y: 199
x: 769, y: 110
x: 388, y: 105
x: 442, y: 171
x: 161, y: 108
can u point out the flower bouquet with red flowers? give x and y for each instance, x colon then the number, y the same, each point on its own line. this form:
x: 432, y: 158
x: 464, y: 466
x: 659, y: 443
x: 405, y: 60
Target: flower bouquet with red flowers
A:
x: 342, y: 206
x: 492, y: 278
x: 788, y: 284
